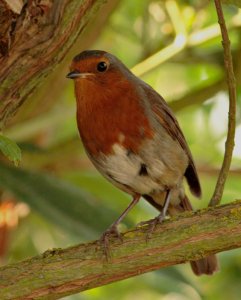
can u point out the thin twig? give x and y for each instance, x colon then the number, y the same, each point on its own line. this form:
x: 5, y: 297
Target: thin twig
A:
x: 229, y: 145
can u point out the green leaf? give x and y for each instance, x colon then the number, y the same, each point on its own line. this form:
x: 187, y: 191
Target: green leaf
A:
x: 60, y: 202
x: 10, y: 149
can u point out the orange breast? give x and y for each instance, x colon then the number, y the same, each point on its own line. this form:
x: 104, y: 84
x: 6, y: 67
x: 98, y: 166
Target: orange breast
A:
x: 107, y: 116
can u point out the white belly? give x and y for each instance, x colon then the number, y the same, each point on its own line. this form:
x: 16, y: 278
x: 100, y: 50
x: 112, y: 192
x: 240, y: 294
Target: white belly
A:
x: 129, y: 170
x: 123, y: 169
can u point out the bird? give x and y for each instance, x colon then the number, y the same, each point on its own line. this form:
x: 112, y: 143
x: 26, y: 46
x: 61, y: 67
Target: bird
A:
x: 132, y: 137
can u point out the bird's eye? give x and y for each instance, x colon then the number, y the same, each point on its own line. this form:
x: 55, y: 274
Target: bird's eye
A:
x: 102, y: 66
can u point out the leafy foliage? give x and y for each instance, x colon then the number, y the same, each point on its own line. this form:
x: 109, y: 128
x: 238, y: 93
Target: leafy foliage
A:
x: 10, y: 149
x: 62, y: 203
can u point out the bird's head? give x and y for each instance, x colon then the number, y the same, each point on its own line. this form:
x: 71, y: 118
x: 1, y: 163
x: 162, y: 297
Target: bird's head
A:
x: 98, y: 67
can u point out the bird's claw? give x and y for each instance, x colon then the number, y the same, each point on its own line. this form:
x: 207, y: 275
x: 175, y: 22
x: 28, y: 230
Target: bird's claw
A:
x: 144, y: 223
x: 104, y: 239
x: 158, y: 220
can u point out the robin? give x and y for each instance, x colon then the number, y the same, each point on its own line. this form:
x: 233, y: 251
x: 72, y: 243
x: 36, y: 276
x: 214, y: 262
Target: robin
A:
x: 133, y: 138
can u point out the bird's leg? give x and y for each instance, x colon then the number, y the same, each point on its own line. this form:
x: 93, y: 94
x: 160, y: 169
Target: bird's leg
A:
x: 163, y: 213
x: 161, y: 216
x: 113, y: 228
x: 153, y: 222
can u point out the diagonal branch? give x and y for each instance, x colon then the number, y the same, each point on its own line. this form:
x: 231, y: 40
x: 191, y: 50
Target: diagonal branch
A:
x: 229, y: 145
x: 61, y: 272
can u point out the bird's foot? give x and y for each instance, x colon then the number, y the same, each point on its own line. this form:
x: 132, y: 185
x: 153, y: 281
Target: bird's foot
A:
x: 104, y: 239
x: 158, y: 220
x: 152, y: 225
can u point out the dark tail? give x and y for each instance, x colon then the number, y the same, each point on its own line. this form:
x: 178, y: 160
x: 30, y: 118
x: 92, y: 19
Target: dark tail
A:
x: 207, y: 265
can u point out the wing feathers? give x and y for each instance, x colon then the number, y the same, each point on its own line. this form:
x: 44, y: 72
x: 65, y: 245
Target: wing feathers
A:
x: 169, y: 122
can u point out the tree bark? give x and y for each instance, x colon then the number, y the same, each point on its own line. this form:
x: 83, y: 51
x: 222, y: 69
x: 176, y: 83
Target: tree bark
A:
x: 35, y: 40
x: 60, y: 272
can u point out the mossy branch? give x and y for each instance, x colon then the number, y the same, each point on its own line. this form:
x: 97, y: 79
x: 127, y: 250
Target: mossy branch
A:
x: 60, y: 272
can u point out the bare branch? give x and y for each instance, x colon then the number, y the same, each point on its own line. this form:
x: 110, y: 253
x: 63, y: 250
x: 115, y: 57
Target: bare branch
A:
x: 229, y: 145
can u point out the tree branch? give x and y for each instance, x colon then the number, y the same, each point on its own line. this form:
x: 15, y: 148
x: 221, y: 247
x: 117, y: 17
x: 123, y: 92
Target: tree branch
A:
x: 57, y: 273
x: 35, y: 41
x: 229, y: 145
x: 197, y: 97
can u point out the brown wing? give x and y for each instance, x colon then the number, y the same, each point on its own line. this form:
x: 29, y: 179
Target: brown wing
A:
x: 169, y: 122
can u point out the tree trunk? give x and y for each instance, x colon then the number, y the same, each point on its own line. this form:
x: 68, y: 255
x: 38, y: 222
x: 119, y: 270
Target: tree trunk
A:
x: 34, y: 37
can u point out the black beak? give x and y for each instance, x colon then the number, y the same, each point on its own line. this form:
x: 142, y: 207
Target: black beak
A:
x: 77, y: 74
x: 73, y: 74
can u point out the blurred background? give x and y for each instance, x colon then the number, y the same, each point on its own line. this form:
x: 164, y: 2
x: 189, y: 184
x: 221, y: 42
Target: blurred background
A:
x: 57, y: 199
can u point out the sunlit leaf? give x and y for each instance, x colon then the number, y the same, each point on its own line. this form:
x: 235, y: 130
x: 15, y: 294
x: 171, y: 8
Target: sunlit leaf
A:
x: 10, y: 149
